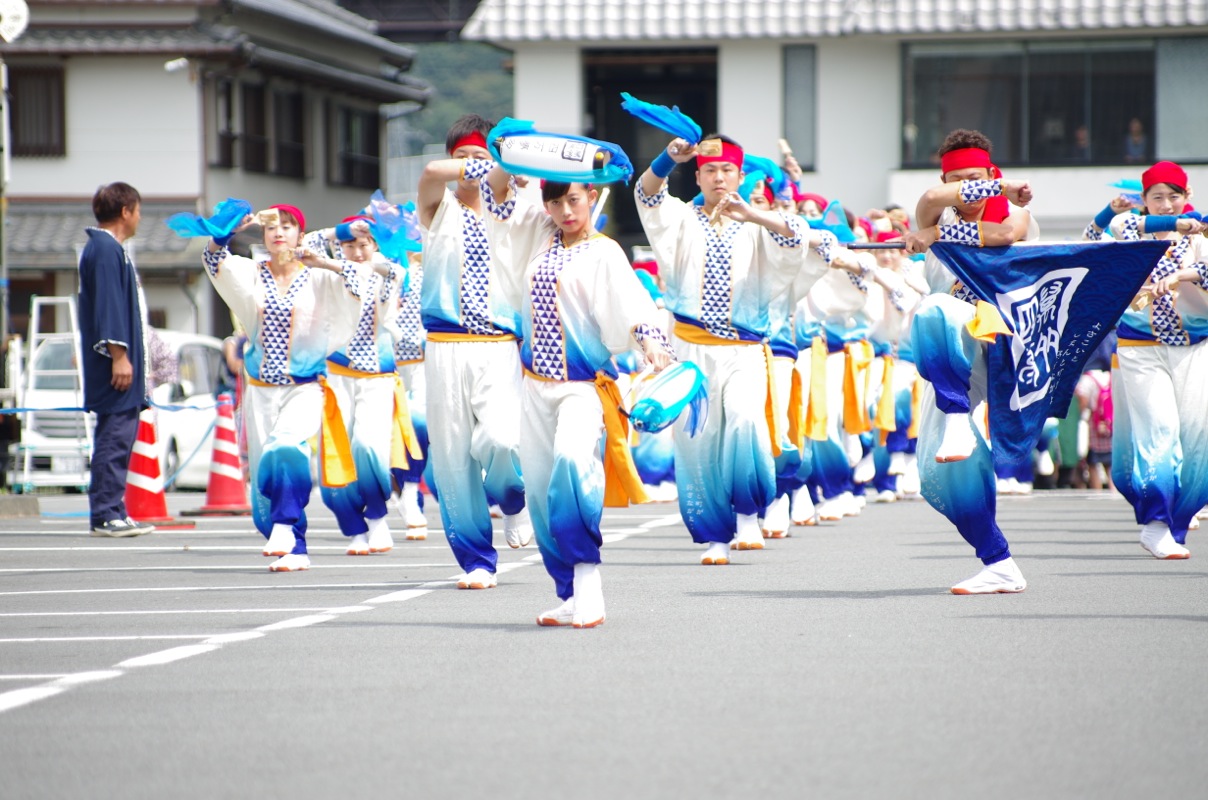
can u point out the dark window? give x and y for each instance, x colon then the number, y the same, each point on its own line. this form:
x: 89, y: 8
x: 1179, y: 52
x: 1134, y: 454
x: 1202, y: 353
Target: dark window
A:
x: 357, y: 160
x: 800, y: 102
x: 289, y: 134
x: 255, y: 130
x: 1040, y: 103
x: 224, y: 119
x: 37, y: 111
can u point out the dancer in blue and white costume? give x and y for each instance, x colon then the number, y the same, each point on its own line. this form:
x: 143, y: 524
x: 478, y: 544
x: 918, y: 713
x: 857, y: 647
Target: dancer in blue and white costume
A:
x: 472, y: 361
x: 364, y: 380
x: 582, y: 304
x: 297, y: 307
x: 1160, y: 434
x: 723, y: 263
x: 955, y: 466
x: 409, y: 361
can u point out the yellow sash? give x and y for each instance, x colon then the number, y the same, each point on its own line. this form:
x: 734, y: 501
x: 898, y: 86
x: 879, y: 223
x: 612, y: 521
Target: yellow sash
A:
x: 815, y: 415
x: 987, y: 323
x: 797, y: 412
x: 403, y: 441
x: 1137, y: 343
x: 336, y: 467
x: 771, y: 407
x: 886, y: 419
x: 855, y: 409
x: 444, y: 336
x: 348, y: 372
x: 916, y: 403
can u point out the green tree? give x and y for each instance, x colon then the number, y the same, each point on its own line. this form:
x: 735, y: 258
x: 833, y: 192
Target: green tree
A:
x: 467, y: 77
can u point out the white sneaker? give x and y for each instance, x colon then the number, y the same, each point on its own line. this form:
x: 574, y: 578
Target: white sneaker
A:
x: 589, y: 596
x: 518, y: 529
x: 358, y: 545
x: 1156, y: 538
x: 855, y: 502
x: 831, y: 510
x: 886, y: 496
x: 1002, y: 577
x: 1193, y: 524
x: 562, y: 615
x: 959, y: 441
x: 380, y: 540
x: 496, y: 511
x: 294, y: 562
x: 1044, y: 464
x: 477, y: 579
x: 750, y: 535
x: 865, y: 471
x: 1202, y: 513
x: 909, y: 483
x: 407, y: 504
x: 667, y: 492
x: 801, y: 510
x: 281, y: 541
x: 776, y: 519
x: 716, y: 553
x: 1023, y: 487
x: 897, y: 463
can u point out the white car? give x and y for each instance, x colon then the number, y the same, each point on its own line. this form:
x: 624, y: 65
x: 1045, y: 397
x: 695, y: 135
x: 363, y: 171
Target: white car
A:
x: 186, y: 437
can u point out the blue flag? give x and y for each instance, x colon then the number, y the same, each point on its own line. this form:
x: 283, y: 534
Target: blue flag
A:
x: 227, y: 216
x: 671, y: 120
x: 1060, y: 301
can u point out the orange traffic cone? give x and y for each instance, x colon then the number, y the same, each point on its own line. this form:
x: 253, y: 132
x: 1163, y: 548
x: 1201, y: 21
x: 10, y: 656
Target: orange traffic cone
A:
x: 225, y: 494
x: 145, y: 500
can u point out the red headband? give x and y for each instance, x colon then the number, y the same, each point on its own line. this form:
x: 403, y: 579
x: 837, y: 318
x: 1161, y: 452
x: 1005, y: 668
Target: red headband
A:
x: 967, y: 158
x: 818, y: 199
x: 475, y: 139
x: 888, y: 236
x: 1163, y: 172
x: 293, y: 211
x: 730, y: 153
x: 767, y: 192
x: 354, y: 218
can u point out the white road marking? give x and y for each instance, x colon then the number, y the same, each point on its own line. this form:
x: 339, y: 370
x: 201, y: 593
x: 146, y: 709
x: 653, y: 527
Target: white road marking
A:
x: 351, y: 564
x: 157, y: 611
x: 168, y: 656
x: 271, y: 586
x: 107, y: 638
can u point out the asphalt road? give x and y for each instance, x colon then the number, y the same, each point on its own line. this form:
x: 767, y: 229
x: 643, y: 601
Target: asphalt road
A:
x: 833, y: 664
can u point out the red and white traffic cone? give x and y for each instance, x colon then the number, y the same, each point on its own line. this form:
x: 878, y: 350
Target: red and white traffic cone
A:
x: 225, y: 494
x: 145, y: 500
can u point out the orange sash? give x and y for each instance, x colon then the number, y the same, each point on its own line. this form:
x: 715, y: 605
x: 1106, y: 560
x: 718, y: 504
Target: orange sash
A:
x: 886, y: 419
x: 815, y: 415
x: 855, y: 409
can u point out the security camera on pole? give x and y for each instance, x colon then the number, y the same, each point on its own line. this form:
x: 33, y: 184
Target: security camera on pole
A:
x: 14, y: 16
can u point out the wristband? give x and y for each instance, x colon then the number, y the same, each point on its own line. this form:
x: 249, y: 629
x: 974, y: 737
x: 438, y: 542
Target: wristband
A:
x: 1104, y: 217
x: 663, y: 165
x: 1158, y: 223
x: 223, y: 241
x: 968, y: 233
x: 973, y: 191
x: 476, y: 168
x: 344, y: 232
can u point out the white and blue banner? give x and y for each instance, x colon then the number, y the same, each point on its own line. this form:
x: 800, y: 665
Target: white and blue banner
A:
x: 1060, y: 301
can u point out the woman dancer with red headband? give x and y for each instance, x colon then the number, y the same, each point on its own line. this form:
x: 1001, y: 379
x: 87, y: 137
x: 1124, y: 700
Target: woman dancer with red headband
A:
x: 1160, y: 432
x: 297, y: 307
x: 724, y: 262
x: 582, y: 304
x: 969, y: 207
x: 472, y: 361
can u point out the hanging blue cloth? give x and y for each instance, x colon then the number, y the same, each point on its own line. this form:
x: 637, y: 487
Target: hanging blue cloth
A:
x: 663, y: 399
x: 770, y: 169
x: 395, y: 227
x: 225, y: 219
x: 671, y: 120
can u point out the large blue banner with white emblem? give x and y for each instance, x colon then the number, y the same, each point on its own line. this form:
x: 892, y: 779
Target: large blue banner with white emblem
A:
x: 1060, y: 301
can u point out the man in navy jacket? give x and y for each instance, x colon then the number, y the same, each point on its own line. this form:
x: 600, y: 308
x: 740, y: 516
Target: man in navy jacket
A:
x: 111, y: 337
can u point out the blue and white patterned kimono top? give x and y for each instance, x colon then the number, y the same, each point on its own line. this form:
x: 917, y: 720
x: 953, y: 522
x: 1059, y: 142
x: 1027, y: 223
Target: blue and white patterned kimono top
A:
x: 1178, y: 321
x: 721, y: 279
x: 290, y: 331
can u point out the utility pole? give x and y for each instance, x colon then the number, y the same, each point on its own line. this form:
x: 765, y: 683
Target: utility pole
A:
x: 14, y: 16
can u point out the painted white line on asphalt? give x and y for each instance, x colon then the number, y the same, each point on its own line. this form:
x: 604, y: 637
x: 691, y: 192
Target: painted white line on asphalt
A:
x: 172, y: 548
x: 33, y: 677
x: 229, y: 638
x: 20, y: 697
x: 399, y: 597
x: 297, y: 622
x: 168, y: 656
x: 351, y: 564
x: 277, y: 586
x: 349, y: 609
x: 151, y: 612
x: 76, y: 678
x: 43, y: 639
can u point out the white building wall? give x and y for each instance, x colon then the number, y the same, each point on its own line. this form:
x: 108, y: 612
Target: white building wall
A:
x: 859, y: 103
x: 549, y: 87
x: 127, y: 120
x: 750, y: 94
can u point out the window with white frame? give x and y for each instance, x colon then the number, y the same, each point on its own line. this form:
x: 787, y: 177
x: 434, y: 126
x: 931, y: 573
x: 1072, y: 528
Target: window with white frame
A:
x: 800, y: 102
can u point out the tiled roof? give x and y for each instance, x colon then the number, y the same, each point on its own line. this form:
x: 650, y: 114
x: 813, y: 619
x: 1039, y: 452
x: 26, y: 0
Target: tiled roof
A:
x: 327, y: 16
x: 46, y: 235
x: 184, y: 41
x: 505, y: 21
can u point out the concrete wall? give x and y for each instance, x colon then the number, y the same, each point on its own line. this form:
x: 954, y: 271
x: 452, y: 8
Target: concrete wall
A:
x: 549, y: 87
x: 127, y: 119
